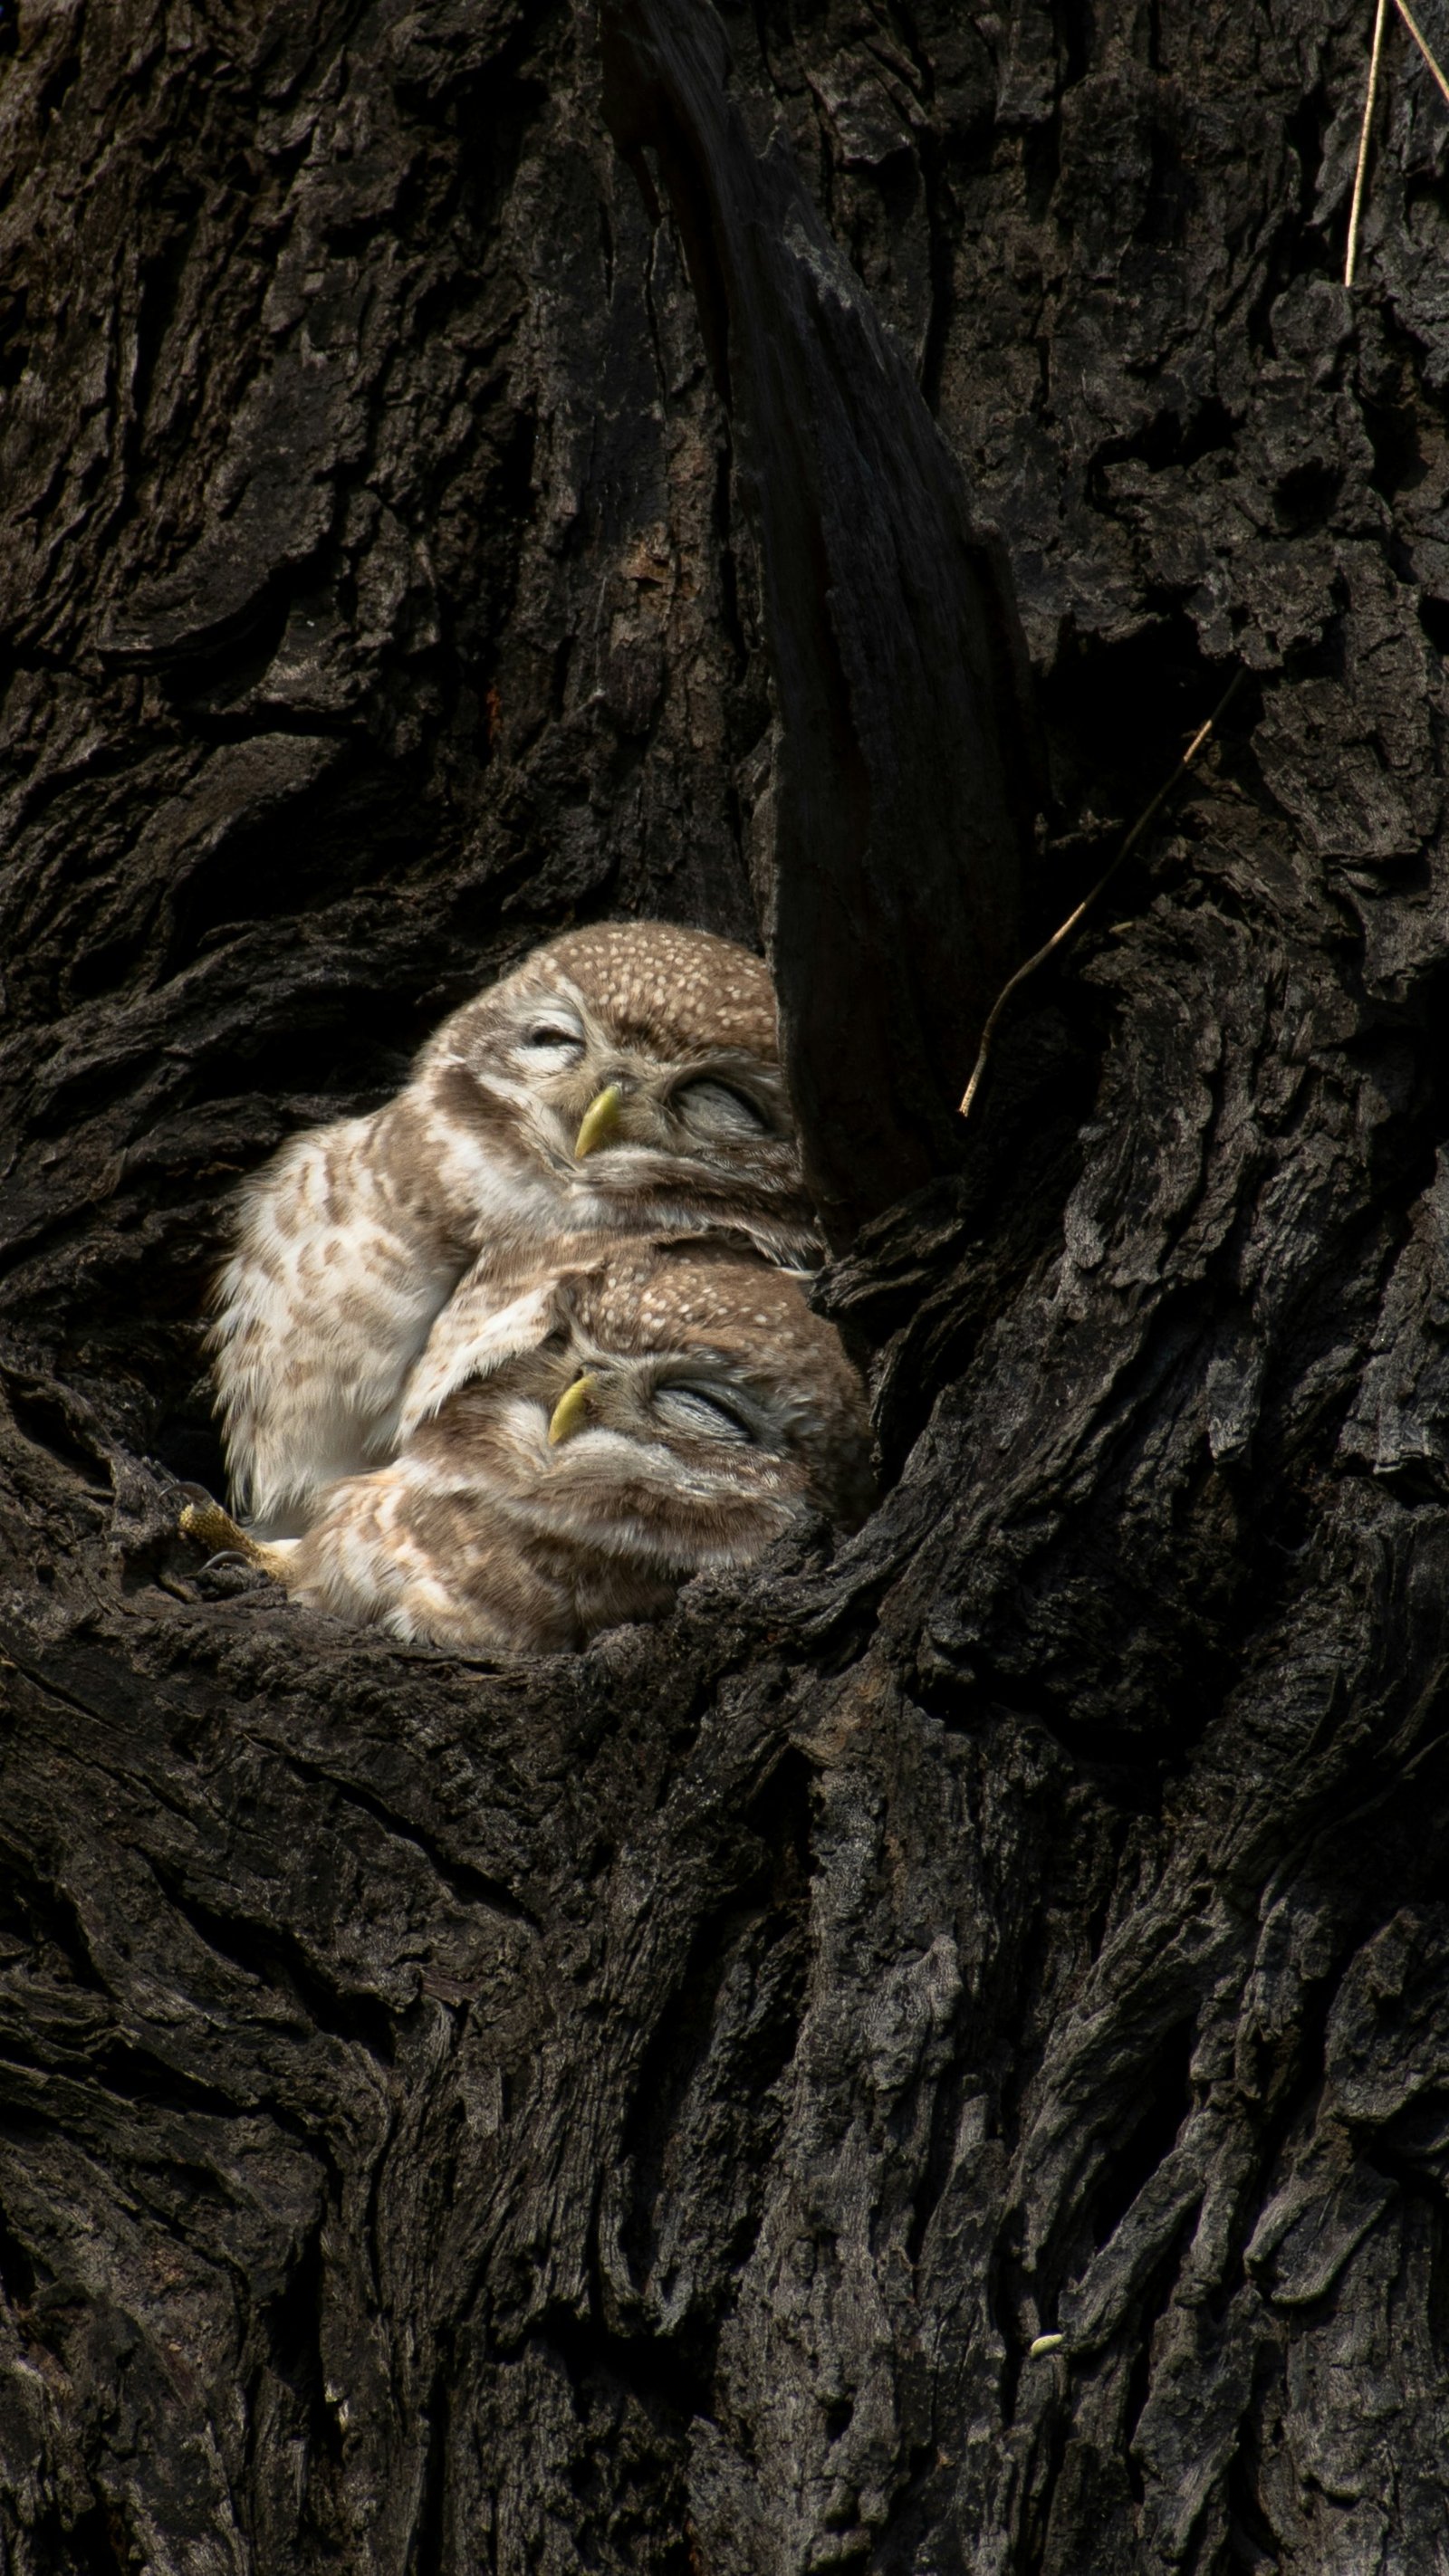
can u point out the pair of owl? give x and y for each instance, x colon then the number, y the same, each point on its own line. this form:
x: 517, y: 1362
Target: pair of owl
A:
x: 505, y: 1362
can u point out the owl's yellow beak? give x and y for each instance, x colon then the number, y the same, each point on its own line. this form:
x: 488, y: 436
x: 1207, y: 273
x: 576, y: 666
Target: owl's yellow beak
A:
x: 571, y: 1410
x: 600, y: 1121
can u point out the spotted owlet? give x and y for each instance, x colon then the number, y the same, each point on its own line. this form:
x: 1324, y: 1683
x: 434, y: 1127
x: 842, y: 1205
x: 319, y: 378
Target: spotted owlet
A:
x: 625, y: 1077
x: 678, y: 1406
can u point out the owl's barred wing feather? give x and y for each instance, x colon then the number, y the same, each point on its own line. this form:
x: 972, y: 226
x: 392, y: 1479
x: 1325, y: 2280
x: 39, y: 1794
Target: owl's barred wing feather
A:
x: 328, y: 1298
x: 472, y: 1336
x: 434, y: 1561
x: 445, y: 1558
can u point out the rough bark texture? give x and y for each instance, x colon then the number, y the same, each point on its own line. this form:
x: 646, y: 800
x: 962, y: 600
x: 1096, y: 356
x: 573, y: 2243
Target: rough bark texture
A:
x: 635, y: 2111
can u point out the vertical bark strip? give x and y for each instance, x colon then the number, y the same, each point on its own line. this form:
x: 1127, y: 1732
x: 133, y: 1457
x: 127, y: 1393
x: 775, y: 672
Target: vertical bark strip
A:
x: 903, y: 786
x: 637, y: 2111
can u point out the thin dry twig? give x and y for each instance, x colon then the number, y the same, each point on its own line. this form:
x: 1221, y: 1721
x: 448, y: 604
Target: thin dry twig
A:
x: 1351, y: 256
x: 1421, y: 40
x: 1103, y: 881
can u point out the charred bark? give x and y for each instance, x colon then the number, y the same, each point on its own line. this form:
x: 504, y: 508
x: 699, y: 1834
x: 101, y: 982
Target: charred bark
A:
x: 638, y: 2110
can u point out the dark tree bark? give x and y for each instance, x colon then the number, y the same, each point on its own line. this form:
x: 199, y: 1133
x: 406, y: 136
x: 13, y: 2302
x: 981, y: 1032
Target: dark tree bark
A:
x: 465, y: 469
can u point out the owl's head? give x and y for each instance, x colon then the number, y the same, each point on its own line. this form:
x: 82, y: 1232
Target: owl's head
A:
x: 681, y: 1406
x: 636, y: 1068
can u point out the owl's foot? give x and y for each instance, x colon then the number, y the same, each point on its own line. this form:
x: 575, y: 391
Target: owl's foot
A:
x: 216, y: 1531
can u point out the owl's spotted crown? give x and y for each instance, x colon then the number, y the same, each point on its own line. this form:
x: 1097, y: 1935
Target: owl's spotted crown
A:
x: 669, y: 987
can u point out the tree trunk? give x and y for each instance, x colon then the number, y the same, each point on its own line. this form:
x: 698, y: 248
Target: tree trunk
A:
x: 465, y: 469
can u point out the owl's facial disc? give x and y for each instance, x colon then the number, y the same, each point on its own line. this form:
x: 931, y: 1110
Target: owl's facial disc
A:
x: 626, y: 1112
x: 688, y: 1413
x: 641, y: 1106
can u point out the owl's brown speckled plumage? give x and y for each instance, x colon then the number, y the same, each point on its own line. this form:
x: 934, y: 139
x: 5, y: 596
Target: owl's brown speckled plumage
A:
x: 676, y: 1408
x: 652, y: 1047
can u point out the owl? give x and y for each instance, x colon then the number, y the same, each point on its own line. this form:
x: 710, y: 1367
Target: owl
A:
x: 677, y: 1407
x: 625, y: 1078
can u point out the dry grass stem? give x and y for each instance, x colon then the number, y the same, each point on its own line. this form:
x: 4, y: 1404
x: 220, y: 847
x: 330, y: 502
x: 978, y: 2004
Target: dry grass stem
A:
x: 1420, y: 39
x: 1103, y: 881
x: 1351, y: 256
